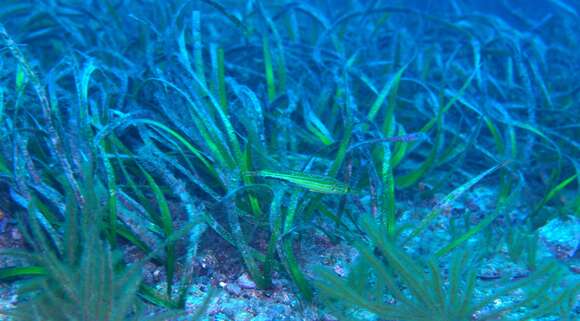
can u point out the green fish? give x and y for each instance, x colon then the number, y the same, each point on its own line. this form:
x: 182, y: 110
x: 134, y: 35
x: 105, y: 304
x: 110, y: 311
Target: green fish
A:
x: 312, y: 182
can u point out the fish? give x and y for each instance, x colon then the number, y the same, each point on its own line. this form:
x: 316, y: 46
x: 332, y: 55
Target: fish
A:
x: 312, y: 182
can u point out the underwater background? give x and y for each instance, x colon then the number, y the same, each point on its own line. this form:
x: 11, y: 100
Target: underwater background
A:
x: 289, y: 160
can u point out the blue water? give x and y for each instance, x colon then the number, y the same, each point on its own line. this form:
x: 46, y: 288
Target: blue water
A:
x: 313, y: 160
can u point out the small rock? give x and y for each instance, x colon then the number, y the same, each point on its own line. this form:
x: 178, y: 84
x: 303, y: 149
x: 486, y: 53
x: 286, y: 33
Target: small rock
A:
x: 245, y: 282
x: 15, y: 234
x: 562, y: 237
x: 234, y: 289
x: 157, y: 275
x: 280, y: 283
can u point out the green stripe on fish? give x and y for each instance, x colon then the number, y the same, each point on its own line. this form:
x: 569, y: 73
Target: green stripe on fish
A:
x: 312, y: 182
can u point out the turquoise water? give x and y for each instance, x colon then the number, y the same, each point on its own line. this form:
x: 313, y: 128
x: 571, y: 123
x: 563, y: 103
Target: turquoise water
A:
x: 289, y: 160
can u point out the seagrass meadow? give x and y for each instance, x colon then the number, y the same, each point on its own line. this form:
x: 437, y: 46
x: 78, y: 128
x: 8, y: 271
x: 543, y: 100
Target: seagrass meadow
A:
x: 289, y: 160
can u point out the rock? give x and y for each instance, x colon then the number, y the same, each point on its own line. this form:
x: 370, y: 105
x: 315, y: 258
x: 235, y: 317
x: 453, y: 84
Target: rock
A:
x: 15, y: 234
x: 562, y: 237
x: 234, y: 289
x: 245, y: 282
